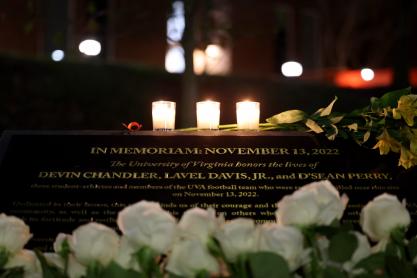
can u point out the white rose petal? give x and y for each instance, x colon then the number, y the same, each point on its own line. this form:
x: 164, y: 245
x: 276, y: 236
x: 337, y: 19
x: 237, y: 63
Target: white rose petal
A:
x: 382, y: 215
x: 317, y: 203
x: 199, y: 223
x: 95, y: 242
x: 147, y: 224
x: 285, y: 241
x: 125, y: 257
x: 75, y: 269
x: 238, y: 236
x: 14, y: 233
x: 362, y: 251
x: 298, y: 209
x: 28, y: 260
x: 54, y: 259
x: 190, y: 256
x: 60, y: 239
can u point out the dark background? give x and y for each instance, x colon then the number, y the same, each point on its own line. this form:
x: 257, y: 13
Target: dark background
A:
x: 333, y: 40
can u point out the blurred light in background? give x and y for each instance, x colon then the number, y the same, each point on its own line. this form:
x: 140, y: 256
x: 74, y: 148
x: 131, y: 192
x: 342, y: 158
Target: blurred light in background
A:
x: 90, y: 47
x: 291, y: 69
x: 218, y: 60
x: 176, y: 23
x: 174, y: 59
x: 213, y: 51
x: 199, y: 60
x: 367, y: 74
x: 354, y: 78
x: 57, y: 55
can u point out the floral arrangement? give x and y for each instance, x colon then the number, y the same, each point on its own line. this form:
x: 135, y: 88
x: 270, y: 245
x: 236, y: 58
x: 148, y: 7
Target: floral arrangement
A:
x: 307, y: 240
x: 387, y: 124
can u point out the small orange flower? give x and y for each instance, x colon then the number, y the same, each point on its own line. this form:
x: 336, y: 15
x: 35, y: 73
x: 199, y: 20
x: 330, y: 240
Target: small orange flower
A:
x: 132, y: 126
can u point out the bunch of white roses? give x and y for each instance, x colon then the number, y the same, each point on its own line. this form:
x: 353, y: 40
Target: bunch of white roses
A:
x: 307, y: 240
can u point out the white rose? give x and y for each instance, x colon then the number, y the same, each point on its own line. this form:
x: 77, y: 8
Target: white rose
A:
x: 147, y: 224
x: 95, y: 242
x: 199, y: 223
x: 74, y: 270
x: 14, y: 233
x: 382, y: 215
x: 285, y: 241
x: 238, y: 236
x: 362, y: 251
x: 317, y: 203
x: 28, y: 260
x: 60, y: 238
x: 189, y: 257
x: 125, y: 257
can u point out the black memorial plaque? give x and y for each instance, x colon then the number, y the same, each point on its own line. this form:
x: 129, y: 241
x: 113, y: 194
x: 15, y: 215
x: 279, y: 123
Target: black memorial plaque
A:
x: 56, y: 181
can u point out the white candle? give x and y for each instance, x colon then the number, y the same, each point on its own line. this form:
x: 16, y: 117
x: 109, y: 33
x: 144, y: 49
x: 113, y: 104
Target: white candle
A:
x: 247, y: 113
x: 163, y: 115
x: 208, y: 114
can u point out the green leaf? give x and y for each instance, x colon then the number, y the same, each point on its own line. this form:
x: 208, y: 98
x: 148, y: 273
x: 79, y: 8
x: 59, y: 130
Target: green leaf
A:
x: 65, y: 249
x: 146, y: 258
x: 399, y: 268
x: 115, y: 270
x: 342, y: 246
x: 15, y: 272
x: 369, y: 275
x: 412, y: 248
x: 268, y: 264
x: 390, y: 99
x: 287, y: 117
x: 331, y: 230
x: 332, y: 272
x: 4, y: 257
x: 392, y: 249
x: 372, y: 262
x: 398, y: 235
x: 48, y: 270
x: 214, y: 248
x: 94, y: 270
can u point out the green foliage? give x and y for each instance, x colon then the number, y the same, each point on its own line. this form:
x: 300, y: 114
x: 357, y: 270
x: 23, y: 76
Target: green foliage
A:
x: 387, y: 123
x: 146, y: 258
x: 389, y: 99
x: 412, y: 248
x: 333, y: 272
x: 373, y: 263
x: 94, y: 270
x: 4, y: 256
x: 342, y: 246
x: 399, y: 268
x: 16, y: 272
x: 267, y: 264
x: 48, y: 270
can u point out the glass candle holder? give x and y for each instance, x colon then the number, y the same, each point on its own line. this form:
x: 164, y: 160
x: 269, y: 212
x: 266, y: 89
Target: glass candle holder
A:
x: 208, y: 115
x: 247, y: 114
x: 163, y: 115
